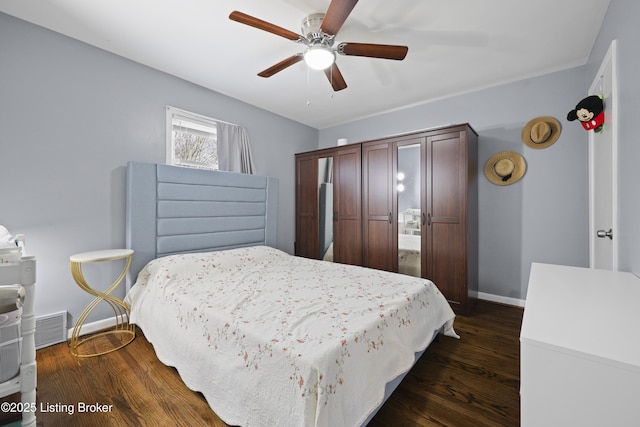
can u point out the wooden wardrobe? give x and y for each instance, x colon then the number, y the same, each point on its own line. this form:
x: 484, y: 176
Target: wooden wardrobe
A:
x: 377, y: 209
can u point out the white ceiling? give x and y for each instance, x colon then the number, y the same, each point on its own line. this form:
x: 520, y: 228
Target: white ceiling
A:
x: 455, y: 46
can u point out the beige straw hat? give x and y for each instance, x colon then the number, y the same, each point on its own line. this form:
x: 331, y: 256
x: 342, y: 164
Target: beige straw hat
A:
x: 505, y: 168
x: 541, y: 132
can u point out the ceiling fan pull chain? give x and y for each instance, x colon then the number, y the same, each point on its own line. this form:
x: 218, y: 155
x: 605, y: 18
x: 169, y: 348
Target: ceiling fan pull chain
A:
x: 308, y: 86
x: 331, y: 81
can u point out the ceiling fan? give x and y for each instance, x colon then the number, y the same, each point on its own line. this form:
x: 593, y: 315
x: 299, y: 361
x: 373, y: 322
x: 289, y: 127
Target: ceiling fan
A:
x: 318, y: 35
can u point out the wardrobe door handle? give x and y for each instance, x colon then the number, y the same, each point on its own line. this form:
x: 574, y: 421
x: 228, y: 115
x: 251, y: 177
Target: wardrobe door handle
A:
x: 390, y: 218
x: 429, y: 218
x: 424, y: 219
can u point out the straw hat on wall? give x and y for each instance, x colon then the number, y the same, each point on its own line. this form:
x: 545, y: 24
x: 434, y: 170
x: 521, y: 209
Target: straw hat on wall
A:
x: 505, y: 168
x: 541, y: 132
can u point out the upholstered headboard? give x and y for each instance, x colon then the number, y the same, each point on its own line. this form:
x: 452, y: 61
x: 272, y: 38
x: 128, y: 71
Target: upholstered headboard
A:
x: 171, y: 209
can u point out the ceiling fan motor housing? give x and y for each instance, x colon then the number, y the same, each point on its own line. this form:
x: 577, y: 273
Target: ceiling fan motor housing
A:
x: 311, y: 30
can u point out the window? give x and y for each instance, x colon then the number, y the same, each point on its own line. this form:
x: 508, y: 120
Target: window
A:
x: 191, y: 139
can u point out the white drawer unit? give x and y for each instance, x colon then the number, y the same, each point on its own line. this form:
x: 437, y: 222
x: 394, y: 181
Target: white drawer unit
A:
x: 21, y: 271
x: 580, y: 348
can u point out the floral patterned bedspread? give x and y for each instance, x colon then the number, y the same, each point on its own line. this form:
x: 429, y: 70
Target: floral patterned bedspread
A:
x: 276, y: 340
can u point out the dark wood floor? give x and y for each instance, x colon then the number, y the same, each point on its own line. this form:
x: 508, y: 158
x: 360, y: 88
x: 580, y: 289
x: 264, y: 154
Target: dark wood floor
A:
x: 469, y: 382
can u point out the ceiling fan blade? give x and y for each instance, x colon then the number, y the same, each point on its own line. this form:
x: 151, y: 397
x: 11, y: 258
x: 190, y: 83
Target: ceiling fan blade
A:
x: 335, y: 77
x: 337, y: 13
x: 281, y: 65
x: 243, y: 18
x: 384, y: 51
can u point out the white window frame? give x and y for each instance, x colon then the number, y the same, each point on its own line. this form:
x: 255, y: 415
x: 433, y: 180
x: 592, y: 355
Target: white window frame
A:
x: 193, y: 120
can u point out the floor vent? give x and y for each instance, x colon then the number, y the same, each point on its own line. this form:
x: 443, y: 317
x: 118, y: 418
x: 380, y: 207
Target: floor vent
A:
x: 51, y: 329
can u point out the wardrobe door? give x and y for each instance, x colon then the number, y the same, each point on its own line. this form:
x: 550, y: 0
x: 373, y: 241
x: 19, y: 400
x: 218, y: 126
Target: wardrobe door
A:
x: 307, y: 229
x: 347, y: 234
x: 445, y: 260
x: 377, y: 200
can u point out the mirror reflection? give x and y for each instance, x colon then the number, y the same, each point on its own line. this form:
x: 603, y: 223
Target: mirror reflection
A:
x: 325, y: 206
x: 409, y: 215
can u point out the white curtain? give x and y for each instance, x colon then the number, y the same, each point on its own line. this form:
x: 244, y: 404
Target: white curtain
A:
x: 234, y: 151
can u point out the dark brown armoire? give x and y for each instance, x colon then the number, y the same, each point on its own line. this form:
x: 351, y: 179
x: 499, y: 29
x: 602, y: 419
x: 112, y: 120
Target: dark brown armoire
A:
x: 407, y: 204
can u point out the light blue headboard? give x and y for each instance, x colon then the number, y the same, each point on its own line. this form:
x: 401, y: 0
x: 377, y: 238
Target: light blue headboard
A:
x: 171, y: 209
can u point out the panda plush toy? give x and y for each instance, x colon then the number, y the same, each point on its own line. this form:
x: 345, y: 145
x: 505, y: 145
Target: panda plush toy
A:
x: 590, y: 113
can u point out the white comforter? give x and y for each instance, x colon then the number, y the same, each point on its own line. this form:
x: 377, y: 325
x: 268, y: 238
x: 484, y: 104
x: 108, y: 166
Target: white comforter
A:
x: 276, y: 340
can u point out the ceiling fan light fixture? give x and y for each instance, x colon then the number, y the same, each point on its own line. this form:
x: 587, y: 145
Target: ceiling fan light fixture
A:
x: 319, y: 57
x: 318, y: 32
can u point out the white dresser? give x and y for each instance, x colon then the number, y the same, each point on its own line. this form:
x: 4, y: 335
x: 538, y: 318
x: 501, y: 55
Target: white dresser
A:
x: 580, y: 348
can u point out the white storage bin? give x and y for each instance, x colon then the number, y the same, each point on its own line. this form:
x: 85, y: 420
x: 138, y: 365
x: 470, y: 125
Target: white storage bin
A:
x: 11, y: 298
x: 10, y: 359
x: 10, y: 325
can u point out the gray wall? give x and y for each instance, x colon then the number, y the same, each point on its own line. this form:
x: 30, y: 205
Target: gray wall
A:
x: 621, y: 23
x: 543, y: 217
x: 71, y: 117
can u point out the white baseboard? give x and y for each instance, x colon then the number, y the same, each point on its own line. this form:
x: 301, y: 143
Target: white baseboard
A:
x: 500, y: 299
x: 89, y: 328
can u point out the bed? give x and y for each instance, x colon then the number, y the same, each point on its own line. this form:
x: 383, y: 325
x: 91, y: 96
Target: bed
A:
x: 268, y: 338
x: 409, y: 254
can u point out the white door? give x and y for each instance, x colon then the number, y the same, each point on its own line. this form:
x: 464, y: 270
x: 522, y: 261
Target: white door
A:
x: 602, y: 170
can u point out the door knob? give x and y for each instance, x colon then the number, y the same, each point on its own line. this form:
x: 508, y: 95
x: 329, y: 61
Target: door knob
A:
x: 602, y: 234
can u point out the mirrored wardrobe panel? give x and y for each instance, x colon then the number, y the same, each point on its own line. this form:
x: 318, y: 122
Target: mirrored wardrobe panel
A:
x: 325, y: 208
x: 409, y: 215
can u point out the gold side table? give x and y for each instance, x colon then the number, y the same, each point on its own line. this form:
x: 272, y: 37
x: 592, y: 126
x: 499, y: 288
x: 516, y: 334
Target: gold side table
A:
x: 123, y: 332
